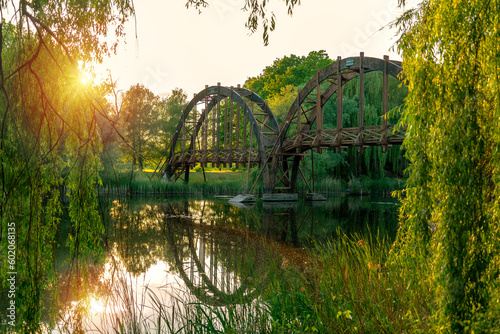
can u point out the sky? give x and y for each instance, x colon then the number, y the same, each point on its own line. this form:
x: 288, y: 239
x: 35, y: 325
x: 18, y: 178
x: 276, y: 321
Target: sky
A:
x: 176, y: 47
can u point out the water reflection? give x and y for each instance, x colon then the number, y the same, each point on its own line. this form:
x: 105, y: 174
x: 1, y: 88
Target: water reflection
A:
x: 161, y: 254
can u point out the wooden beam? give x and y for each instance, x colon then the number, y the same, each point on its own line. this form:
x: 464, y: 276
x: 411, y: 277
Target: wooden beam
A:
x: 299, y: 121
x: 244, y: 138
x: 340, y: 97
x: 226, y: 125
x: 319, y: 109
x: 183, y: 140
x: 217, y: 141
x: 205, y: 131
x: 361, y: 99
x: 385, y: 102
x: 231, y: 118
x: 238, y: 131
x: 249, y: 165
x: 193, y: 136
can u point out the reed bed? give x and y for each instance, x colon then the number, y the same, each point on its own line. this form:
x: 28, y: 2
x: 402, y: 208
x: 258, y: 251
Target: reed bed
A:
x: 232, y: 183
x: 345, y: 286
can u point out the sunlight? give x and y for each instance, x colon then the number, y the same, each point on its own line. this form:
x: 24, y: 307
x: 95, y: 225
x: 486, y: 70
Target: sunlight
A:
x: 96, y: 306
x: 85, y: 79
x: 88, y: 76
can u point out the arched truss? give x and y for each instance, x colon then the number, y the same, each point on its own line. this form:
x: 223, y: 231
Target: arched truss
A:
x: 218, y: 134
x: 211, y: 264
x: 210, y: 289
x: 303, y: 129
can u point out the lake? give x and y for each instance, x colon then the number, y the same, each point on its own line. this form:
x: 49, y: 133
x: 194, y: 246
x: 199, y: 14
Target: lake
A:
x: 161, y: 254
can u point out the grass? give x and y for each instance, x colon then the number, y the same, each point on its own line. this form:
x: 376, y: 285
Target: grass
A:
x: 345, y: 286
x: 231, y: 182
x: 148, y: 183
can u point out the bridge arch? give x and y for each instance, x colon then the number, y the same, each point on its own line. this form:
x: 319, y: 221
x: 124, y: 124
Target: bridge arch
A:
x: 207, y: 287
x: 302, y: 128
x: 190, y: 142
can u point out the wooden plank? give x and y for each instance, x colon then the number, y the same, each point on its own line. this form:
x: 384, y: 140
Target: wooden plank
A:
x: 244, y: 138
x: 193, y: 140
x: 183, y: 138
x: 249, y: 159
x: 299, y: 120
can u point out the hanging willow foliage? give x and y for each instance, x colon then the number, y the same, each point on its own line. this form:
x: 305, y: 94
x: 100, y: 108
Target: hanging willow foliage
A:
x: 450, y: 212
x: 49, y: 141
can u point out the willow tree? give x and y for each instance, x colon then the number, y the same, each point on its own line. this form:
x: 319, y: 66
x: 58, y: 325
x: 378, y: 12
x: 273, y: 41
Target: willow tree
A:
x: 49, y: 138
x: 49, y: 143
x: 450, y: 215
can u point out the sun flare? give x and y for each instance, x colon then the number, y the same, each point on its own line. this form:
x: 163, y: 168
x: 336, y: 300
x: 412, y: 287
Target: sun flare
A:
x: 85, y: 79
x: 96, y: 306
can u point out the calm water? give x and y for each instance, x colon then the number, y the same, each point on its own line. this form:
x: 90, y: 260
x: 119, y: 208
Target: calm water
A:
x: 164, y: 251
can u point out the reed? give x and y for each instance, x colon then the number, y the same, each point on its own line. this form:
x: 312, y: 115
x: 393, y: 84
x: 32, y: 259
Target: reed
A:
x: 344, y: 286
x: 234, y: 182
x: 146, y: 183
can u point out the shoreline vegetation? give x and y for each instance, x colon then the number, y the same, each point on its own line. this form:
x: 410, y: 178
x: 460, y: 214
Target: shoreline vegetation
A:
x: 227, y: 182
x: 352, y: 284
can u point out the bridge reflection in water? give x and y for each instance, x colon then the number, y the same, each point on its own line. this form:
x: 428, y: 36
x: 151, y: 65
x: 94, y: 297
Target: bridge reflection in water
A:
x: 162, y: 255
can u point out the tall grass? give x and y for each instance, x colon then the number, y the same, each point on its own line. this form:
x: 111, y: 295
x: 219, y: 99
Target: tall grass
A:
x: 351, y: 288
x: 231, y: 183
x: 345, y: 286
x: 147, y: 183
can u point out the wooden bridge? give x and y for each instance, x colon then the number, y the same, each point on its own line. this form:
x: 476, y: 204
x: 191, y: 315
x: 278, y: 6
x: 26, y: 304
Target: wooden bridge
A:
x: 227, y: 126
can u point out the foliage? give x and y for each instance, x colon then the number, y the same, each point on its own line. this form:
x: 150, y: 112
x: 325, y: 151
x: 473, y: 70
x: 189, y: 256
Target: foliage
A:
x: 49, y: 140
x: 280, y: 103
x: 140, y: 119
x: 449, y: 217
x: 289, y: 70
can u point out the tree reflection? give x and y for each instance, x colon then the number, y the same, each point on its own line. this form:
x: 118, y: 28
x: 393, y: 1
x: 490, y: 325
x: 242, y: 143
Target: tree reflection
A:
x: 211, y: 252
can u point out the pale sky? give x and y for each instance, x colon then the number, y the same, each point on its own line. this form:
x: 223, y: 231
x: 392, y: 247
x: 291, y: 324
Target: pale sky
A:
x: 179, y: 48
